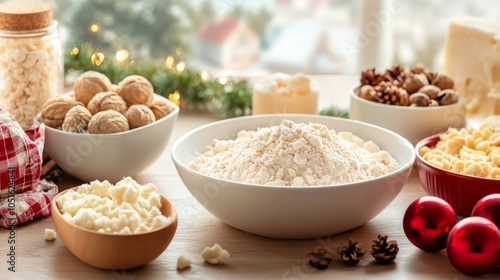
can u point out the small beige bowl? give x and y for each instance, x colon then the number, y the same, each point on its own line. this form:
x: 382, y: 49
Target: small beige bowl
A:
x: 115, y: 251
x: 413, y: 123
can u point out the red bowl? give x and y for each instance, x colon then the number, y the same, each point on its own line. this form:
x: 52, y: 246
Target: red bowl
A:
x: 461, y: 191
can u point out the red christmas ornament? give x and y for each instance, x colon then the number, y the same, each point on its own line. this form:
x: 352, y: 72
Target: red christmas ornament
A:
x: 427, y: 223
x: 473, y: 246
x: 488, y: 207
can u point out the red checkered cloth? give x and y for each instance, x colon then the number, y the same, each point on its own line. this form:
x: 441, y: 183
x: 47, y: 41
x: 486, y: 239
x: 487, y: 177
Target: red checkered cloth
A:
x: 26, y: 206
x: 22, y: 194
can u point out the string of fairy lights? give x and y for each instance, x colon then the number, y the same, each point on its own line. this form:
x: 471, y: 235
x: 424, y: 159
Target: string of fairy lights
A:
x: 184, y: 86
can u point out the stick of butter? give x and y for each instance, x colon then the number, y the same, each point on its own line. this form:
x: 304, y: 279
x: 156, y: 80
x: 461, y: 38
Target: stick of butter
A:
x: 281, y: 93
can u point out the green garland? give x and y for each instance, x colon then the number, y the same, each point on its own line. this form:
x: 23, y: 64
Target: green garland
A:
x: 232, y: 98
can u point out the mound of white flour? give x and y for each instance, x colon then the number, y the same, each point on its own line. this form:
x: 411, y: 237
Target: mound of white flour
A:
x: 294, y: 154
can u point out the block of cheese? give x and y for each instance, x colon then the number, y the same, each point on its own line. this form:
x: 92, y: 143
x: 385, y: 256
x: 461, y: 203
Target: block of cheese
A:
x: 282, y: 93
x: 492, y: 121
x: 472, y: 60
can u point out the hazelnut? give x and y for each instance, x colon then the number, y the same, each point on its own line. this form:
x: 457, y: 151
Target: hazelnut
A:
x: 139, y: 115
x: 136, y: 89
x: 414, y: 82
x: 433, y: 103
x: 404, y: 98
x: 418, y: 69
x: 77, y: 120
x: 367, y: 92
x: 161, y: 108
x: 107, y: 101
x: 89, y: 84
x: 430, y: 75
x: 443, y: 82
x: 106, y: 122
x: 430, y: 90
x: 419, y: 99
x: 447, y: 97
x: 55, y: 108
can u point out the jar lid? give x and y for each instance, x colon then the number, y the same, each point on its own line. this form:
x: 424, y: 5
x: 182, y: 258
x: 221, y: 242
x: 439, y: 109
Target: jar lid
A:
x: 19, y: 16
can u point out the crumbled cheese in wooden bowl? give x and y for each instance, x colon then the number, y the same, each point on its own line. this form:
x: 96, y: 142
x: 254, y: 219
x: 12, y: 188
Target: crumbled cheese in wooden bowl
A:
x: 126, y: 207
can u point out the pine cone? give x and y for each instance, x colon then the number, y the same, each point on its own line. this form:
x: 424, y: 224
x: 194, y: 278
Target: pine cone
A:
x: 320, y: 258
x: 388, y: 93
x: 351, y: 254
x: 384, y: 252
x: 371, y: 77
x: 55, y: 175
x: 396, y: 74
x: 51, y: 172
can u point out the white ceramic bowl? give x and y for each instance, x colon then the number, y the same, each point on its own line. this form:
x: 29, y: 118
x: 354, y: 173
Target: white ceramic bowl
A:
x: 413, y: 123
x: 110, y: 157
x: 292, y: 212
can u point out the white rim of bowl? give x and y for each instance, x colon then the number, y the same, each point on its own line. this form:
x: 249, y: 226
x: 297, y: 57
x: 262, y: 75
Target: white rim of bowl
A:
x: 188, y: 134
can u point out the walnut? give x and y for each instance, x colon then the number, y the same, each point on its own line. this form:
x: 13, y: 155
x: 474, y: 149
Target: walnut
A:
x: 55, y: 108
x: 414, y: 82
x: 77, y: 120
x: 139, y: 115
x: 430, y: 90
x: 106, y: 122
x: 107, y: 101
x: 136, y: 90
x: 161, y: 108
x: 89, y: 84
x: 443, y: 82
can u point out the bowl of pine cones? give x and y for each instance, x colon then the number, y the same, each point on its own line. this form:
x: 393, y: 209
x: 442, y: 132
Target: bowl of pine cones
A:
x: 415, y: 103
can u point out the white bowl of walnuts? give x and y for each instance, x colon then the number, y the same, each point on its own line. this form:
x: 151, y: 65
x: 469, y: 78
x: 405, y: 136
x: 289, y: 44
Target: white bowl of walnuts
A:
x: 101, y: 131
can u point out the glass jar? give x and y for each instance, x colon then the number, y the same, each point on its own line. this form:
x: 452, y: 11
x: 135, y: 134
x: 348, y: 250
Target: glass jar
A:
x: 31, y: 59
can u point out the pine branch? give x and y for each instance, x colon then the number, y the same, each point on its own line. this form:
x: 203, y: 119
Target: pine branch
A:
x: 231, y: 99
x: 335, y: 111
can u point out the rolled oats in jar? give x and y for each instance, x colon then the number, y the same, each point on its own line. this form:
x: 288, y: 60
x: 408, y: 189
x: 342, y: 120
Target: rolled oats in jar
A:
x: 31, y: 59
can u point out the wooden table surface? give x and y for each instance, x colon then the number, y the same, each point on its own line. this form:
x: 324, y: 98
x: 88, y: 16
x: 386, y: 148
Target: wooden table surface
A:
x: 252, y: 257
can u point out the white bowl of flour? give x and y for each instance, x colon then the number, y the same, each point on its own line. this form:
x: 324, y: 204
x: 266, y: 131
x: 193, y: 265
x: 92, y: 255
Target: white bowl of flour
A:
x: 293, y: 176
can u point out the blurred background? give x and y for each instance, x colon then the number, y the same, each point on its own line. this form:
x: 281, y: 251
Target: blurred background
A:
x: 236, y: 37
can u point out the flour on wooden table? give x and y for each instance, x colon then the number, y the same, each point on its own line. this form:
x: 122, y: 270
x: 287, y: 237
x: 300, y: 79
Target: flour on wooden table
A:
x: 294, y: 154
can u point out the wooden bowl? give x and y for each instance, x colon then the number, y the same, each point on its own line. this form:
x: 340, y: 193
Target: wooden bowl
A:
x: 115, y: 251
